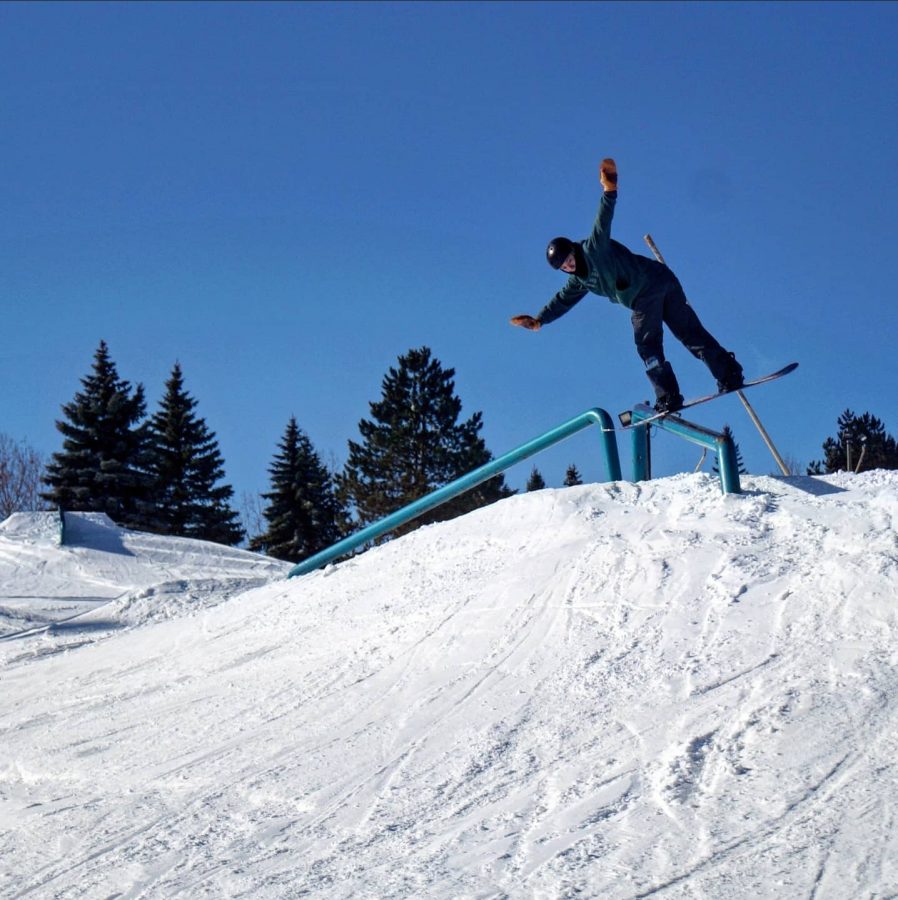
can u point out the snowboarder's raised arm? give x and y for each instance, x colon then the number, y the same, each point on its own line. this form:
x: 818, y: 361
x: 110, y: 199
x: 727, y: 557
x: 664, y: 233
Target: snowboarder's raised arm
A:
x: 601, y: 230
x: 608, y: 174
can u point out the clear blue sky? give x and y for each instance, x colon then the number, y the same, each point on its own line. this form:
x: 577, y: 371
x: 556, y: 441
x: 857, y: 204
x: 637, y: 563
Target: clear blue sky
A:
x: 286, y: 197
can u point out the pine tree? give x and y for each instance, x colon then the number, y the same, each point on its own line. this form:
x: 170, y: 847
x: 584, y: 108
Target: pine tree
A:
x: 186, y: 466
x: 740, y: 466
x: 535, y: 482
x: 102, y: 466
x: 413, y: 444
x: 860, y: 444
x: 572, y: 476
x: 303, y: 512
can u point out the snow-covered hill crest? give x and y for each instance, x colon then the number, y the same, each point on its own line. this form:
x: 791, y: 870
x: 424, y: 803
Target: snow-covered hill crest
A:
x: 609, y: 691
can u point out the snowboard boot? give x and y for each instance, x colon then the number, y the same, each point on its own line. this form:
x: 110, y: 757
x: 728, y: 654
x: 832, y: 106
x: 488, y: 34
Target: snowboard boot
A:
x: 667, y: 390
x: 669, y: 403
x: 729, y: 374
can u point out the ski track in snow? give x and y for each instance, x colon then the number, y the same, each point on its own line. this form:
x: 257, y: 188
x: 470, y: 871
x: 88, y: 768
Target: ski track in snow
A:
x: 613, y: 691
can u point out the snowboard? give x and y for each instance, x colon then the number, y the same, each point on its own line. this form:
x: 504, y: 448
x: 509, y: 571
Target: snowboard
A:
x: 625, y: 416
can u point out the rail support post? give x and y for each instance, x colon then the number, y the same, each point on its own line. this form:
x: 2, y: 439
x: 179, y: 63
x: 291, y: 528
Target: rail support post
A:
x: 722, y: 445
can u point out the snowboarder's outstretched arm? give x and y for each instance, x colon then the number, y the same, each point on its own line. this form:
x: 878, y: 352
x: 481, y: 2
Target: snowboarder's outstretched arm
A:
x: 564, y: 301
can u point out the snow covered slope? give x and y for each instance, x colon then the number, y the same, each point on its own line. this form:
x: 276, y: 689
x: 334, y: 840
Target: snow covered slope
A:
x: 45, y: 581
x: 610, y: 691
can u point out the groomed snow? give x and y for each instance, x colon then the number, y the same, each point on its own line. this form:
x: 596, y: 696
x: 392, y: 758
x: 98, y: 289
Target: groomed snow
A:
x: 45, y: 579
x: 610, y: 691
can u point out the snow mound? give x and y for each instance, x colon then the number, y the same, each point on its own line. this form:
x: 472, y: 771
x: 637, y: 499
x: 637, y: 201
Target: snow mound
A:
x: 43, y: 528
x: 44, y: 582
x: 609, y: 691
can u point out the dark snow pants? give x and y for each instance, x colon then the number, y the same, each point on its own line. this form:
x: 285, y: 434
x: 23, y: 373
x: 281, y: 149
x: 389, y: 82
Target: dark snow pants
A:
x: 664, y: 302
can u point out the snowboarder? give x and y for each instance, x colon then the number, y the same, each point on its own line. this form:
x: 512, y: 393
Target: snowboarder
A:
x: 647, y: 288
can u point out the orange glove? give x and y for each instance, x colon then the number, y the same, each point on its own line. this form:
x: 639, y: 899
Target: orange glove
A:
x: 608, y: 174
x: 527, y: 322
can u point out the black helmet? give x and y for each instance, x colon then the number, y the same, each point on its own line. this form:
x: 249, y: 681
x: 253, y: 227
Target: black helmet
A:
x: 558, y: 251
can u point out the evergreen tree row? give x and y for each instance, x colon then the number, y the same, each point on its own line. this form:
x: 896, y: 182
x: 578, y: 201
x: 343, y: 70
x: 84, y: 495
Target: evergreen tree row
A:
x: 160, y: 475
x: 412, y: 444
x: 860, y: 444
x: 163, y: 474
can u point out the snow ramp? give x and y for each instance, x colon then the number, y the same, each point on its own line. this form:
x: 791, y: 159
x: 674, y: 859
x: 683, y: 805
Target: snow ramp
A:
x: 610, y: 691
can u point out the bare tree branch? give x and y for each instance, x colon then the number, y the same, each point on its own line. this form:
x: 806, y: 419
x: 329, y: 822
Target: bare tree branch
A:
x: 21, y: 469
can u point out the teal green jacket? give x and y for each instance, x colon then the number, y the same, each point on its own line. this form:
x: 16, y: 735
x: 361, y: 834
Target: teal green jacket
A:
x: 614, y: 272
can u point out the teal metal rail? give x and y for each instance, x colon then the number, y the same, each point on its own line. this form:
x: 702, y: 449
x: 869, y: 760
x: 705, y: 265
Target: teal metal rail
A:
x: 452, y: 490
x: 722, y: 445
